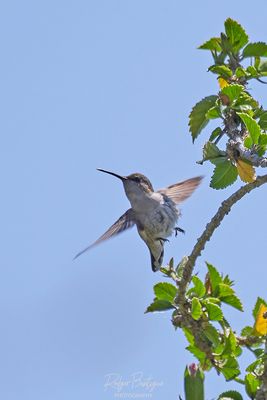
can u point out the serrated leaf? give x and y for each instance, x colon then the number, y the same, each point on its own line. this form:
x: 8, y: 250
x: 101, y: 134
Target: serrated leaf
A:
x: 240, y: 72
x: 224, y: 174
x: 232, y: 91
x: 253, y: 366
x: 159, y: 305
x: 258, y: 49
x: 199, y: 286
x: 200, y: 355
x: 233, y: 301
x: 230, y: 395
x: 213, y: 113
x: 251, y: 70
x: 245, y: 171
x: 219, y: 160
x: 252, y: 384
x: 261, y: 320
x: 189, y: 336
x: 210, y: 151
x: 256, y: 308
x: 247, y: 331
x: 215, y: 133
x: 252, y: 126
x: 214, y: 277
x: 222, y: 70
x: 263, y: 120
x: 231, y: 369
x: 236, y: 34
x: 212, y: 335
x: 197, y: 117
x: 214, y: 311
x: 196, y: 308
x: 213, y: 44
x: 165, y: 291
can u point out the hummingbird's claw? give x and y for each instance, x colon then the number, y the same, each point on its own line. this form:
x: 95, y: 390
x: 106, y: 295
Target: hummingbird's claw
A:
x: 177, y: 229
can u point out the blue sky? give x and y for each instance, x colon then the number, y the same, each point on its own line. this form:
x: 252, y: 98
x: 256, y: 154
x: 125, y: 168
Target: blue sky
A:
x: 87, y: 84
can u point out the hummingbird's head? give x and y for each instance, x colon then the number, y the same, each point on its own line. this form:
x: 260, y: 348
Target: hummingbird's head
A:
x: 135, y: 185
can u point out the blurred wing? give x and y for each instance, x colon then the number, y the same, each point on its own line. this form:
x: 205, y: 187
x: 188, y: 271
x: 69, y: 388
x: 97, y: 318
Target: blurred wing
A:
x: 124, y: 222
x: 182, y: 190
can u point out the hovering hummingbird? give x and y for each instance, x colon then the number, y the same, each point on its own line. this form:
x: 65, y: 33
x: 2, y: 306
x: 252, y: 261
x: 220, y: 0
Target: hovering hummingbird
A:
x: 154, y: 213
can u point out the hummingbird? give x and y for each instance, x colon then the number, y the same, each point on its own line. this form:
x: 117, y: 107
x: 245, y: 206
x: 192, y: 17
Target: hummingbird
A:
x: 153, y: 212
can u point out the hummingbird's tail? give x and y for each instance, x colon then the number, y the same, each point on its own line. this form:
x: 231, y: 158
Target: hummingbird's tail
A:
x: 156, y: 249
x: 156, y: 263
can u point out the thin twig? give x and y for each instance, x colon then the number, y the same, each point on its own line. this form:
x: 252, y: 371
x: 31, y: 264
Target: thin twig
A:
x: 223, y: 210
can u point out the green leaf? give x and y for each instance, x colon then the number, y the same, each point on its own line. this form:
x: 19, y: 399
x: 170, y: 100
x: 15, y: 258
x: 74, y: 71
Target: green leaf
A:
x: 194, y: 384
x: 230, y: 395
x: 189, y: 336
x: 233, y: 301
x: 255, y: 365
x: 221, y: 70
x: 232, y: 91
x: 197, y: 117
x: 252, y: 71
x: 213, y: 113
x: 215, y: 133
x: 230, y: 369
x: 240, y: 72
x: 212, y: 334
x: 213, y: 44
x: 214, y: 311
x: 214, y: 276
x: 263, y: 139
x: 159, y: 305
x: 252, y: 126
x: 224, y: 174
x: 165, y: 291
x: 258, y: 49
x: 248, y: 142
x: 257, y: 307
x: 247, y: 331
x: 196, y: 309
x: 199, y: 289
x: 235, y: 34
x: 263, y: 120
x: 252, y: 384
x: 200, y: 355
x: 262, y: 68
x: 210, y: 151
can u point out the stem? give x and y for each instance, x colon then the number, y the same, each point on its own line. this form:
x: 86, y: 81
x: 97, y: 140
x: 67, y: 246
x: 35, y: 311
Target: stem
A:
x: 262, y: 392
x: 216, y: 220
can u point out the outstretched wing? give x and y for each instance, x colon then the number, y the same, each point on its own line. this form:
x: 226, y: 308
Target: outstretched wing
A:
x: 182, y: 190
x: 124, y: 222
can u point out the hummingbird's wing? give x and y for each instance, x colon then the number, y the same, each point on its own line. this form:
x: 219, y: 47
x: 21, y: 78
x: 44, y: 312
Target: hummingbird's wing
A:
x: 124, y: 222
x: 182, y: 190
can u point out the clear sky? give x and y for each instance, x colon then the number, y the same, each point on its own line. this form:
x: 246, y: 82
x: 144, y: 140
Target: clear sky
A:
x: 87, y: 84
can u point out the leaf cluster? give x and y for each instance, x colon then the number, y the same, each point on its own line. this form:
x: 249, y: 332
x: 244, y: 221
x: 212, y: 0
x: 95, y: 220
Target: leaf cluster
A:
x: 210, y: 337
x: 242, y: 120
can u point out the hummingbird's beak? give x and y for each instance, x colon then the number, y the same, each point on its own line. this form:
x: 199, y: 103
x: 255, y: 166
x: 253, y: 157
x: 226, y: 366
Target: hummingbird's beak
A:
x: 122, y: 178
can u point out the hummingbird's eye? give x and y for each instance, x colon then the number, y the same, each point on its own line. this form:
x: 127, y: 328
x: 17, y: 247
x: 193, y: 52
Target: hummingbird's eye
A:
x: 136, y: 179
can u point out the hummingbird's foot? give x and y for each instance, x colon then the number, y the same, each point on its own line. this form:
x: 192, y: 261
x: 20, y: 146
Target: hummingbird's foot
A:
x: 177, y: 229
x: 163, y: 239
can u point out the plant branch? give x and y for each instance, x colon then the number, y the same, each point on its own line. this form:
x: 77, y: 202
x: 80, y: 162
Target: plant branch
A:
x: 262, y: 392
x: 216, y: 220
